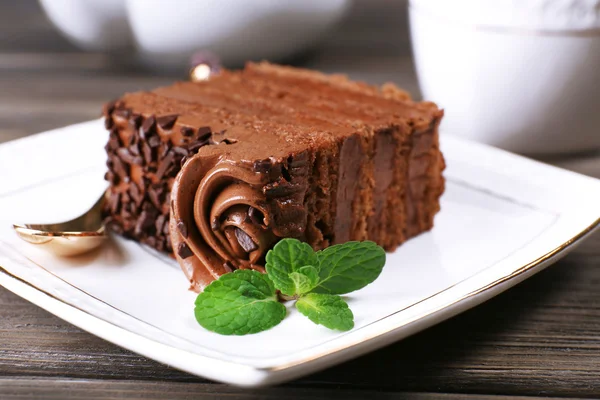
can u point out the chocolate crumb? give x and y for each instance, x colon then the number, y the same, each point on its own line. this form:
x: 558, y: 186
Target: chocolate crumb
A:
x: 184, y: 251
x: 167, y: 121
x: 214, y: 225
x: 245, y: 241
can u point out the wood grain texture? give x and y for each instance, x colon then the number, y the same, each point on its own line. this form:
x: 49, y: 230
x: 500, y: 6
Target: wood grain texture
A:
x: 71, y: 389
x: 541, y: 338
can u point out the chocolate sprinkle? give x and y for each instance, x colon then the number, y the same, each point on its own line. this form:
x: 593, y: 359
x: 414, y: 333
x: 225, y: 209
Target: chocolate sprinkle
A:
x: 203, y: 133
x: 134, y: 149
x: 122, y: 113
x: 165, y: 148
x: 145, y: 221
x: 245, y: 241
x: 155, y: 194
x: 121, y: 169
x: 166, y: 165
x: 186, y: 131
x: 149, y: 153
x: 136, y: 194
x: 114, y: 202
x: 135, y: 120
x: 160, y: 221
x: 126, y: 156
x: 180, y: 150
x: 148, y: 128
x: 109, y: 107
x: 262, y: 165
x: 182, y: 229
x: 184, y: 251
x: 167, y: 121
x: 154, y: 141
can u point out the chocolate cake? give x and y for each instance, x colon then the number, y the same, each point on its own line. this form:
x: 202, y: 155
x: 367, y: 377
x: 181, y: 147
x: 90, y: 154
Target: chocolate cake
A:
x: 217, y: 172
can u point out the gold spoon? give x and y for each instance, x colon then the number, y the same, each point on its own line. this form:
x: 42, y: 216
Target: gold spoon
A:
x: 86, y: 232
x: 70, y: 238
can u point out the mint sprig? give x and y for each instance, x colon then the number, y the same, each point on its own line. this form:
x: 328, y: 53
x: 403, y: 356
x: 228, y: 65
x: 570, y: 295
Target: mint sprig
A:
x: 347, y: 267
x: 326, y: 309
x: 239, y: 303
x: 245, y: 301
x: 287, y: 257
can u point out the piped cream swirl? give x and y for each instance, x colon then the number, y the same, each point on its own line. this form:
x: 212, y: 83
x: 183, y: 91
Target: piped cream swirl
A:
x: 219, y: 219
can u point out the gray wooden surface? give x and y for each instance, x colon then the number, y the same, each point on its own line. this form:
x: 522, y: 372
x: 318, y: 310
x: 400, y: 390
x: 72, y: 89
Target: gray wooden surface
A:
x: 541, y: 338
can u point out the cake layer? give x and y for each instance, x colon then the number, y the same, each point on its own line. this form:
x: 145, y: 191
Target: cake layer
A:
x: 270, y: 152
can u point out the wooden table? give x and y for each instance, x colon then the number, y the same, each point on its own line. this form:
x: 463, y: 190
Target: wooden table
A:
x: 541, y: 338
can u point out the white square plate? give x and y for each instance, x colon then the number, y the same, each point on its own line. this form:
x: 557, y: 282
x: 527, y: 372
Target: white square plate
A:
x: 503, y: 218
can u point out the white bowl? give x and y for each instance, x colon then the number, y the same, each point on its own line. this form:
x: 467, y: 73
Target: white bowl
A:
x: 167, y: 32
x: 521, y: 75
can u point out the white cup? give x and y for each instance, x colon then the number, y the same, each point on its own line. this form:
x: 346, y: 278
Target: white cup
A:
x: 166, y: 33
x: 523, y: 75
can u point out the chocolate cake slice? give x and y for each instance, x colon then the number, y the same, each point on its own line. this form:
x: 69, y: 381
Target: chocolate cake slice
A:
x: 217, y: 172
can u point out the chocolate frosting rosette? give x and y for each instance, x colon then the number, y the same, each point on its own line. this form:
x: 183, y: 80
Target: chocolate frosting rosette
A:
x: 226, y: 215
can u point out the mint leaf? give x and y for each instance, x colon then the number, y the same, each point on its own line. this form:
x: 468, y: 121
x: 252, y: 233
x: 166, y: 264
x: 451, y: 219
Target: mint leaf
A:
x: 328, y: 310
x: 289, y: 255
x: 305, y: 279
x: 347, y: 267
x: 239, y: 303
